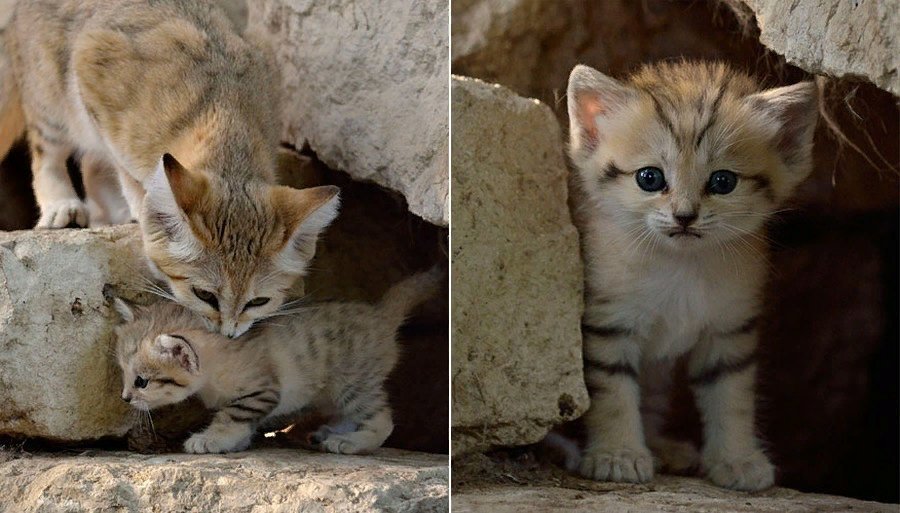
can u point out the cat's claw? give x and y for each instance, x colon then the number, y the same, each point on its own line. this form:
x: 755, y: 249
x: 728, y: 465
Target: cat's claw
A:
x: 622, y: 465
x: 748, y: 473
x: 63, y: 213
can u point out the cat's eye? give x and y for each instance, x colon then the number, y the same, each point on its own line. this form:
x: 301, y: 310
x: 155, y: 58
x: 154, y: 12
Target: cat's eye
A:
x: 721, y: 182
x: 650, y: 179
x: 140, y: 382
x: 259, y: 301
x: 207, y: 297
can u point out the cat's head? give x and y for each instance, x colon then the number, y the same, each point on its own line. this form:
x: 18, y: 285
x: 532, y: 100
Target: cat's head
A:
x: 689, y: 154
x: 153, y: 348
x: 230, y: 251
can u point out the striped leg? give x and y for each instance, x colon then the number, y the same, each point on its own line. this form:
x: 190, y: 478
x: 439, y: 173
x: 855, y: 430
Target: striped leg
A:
x: 722, y: 374
x: 233, y: 426
x: 615, y: 449
x: 367, y: 417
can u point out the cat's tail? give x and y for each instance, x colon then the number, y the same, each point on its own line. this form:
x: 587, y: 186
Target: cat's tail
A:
x: 410, y: 293
x: 12, y: 117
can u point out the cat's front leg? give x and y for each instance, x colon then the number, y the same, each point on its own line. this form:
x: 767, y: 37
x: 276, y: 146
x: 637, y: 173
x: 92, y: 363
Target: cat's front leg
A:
x: 59, y: 203
x: 722, y: 374
x: 233, y: 426
x: 615, y: 449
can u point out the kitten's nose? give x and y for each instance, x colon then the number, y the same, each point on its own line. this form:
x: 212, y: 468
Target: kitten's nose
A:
x: 685, y: 219
x: 126, y: 397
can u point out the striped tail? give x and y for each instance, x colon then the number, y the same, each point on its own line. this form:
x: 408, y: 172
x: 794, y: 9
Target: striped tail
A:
x: 12, y: 118
x: 410, y: 293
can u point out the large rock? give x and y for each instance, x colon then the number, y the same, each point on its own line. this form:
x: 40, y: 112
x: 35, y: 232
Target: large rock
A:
x: 365, y: 86
x: 669, y: 494
x: 517, y: 277
x: 269, y: 480
x: 58, y: 378
x: 835, y: 37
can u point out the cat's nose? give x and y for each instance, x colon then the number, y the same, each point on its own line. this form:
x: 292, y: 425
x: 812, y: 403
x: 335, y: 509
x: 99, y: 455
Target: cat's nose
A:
x: 685, y: 219
x: 126, y: 397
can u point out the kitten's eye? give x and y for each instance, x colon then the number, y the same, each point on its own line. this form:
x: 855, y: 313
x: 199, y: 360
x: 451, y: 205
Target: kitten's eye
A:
x: 140, y: 382
x: 721, y: 182
x: 650, y: 179
x: 207, y: 297
x: 259, y: 301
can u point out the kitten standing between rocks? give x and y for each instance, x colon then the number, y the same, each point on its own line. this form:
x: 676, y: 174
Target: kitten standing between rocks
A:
x: 186, y: 112
x: 679, y: 168
x: 331, y: 357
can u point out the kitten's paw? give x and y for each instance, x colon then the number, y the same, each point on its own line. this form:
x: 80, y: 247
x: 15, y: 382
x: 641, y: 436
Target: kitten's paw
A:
x: 748, y: 473
x: 63, y: 213
x: 202, y: 443
x: 621, y: 466
x: 345, y: 444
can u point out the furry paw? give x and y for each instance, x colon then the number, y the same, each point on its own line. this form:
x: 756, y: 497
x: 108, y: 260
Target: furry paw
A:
x: 63, y: 213
x: 344, y: 444
x: 202, y: 443
x: 748, y: 473
x: 621, y: 466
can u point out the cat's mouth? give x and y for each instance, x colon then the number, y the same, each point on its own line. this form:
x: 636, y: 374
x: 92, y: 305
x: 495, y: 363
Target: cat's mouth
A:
x: 685, y: 232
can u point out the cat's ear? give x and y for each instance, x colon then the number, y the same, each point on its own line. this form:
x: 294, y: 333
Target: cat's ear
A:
x: 305, y: 213
x: 592, y: 98
x: 172, y: 193
x: 125, y: 311
x: 179, y: 350
x: 793, y: 112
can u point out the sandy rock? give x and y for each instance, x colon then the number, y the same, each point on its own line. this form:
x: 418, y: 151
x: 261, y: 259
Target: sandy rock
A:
x: 664, y: 494
x: 835, y: 37
x: 259, y: 481
x: 365, y: 86
x: 517, y: 277
x: 57, y: 378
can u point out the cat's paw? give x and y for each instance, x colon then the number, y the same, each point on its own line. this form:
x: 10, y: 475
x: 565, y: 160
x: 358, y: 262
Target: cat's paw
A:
x: 749, y: 473
x: 345, y: 444
x: 63, y: 213
x: 621, y: 465
x: 202, y: 443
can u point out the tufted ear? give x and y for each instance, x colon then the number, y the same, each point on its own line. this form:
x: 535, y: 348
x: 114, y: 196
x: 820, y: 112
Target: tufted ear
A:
x: 592, y: 98
x: 305, y: 214
x: 125, y: 311
x: 793, y: 111
x: 173, y: 193
x: 179, y: 350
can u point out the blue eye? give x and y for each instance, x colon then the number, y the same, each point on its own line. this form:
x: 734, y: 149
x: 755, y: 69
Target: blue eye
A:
x: 721, y: 182
x: 140, y: 382
x: 650, y: 179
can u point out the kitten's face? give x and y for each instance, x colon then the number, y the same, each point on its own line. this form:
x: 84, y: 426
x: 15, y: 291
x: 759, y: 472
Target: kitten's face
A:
x: 158, y: 369
x: 686, y: 164
x: 231, y: 253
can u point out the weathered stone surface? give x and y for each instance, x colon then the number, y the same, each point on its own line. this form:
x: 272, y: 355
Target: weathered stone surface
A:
x: 365, y: 86
x: 835, y: 37
x: 57, y: 377
x: 517, y: 277
x: 271, y: 480
x: 664, y: 494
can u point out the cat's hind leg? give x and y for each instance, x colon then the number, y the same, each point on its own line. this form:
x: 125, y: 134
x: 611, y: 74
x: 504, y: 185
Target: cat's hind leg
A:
x: 365, y: 423
x: 106, y: 204
x: 59, y: 203
x: 615, y: 448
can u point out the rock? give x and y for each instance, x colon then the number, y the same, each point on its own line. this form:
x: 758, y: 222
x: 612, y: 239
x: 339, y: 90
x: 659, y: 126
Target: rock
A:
x: 58, y: 379
x: 365, y: 87
x: 835, y: 37
x: 276, y: 480
x: 517, y: 277
x: 666, y: 493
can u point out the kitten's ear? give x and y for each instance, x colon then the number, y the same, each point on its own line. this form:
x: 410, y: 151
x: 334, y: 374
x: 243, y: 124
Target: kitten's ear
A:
x: 592, y: 96
x: 794, y: 111
x: 172, y: 193
x: 125, y: 311
x: 305, y: 213
x: 179, y: 350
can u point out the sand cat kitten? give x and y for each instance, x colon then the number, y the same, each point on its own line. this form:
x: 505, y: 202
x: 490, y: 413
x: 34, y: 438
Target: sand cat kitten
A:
x: 330, y: 356
x: 680, y: 167
x: 186, y: 112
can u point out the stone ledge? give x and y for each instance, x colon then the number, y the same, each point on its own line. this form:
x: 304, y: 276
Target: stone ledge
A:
x: 259, y: 481
x: 664, y: 494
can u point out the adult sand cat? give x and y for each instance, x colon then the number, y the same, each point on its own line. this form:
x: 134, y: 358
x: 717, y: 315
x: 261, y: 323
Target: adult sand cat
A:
x: 185, y: 109
x: 330, y: 356
x: 680, y: 167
